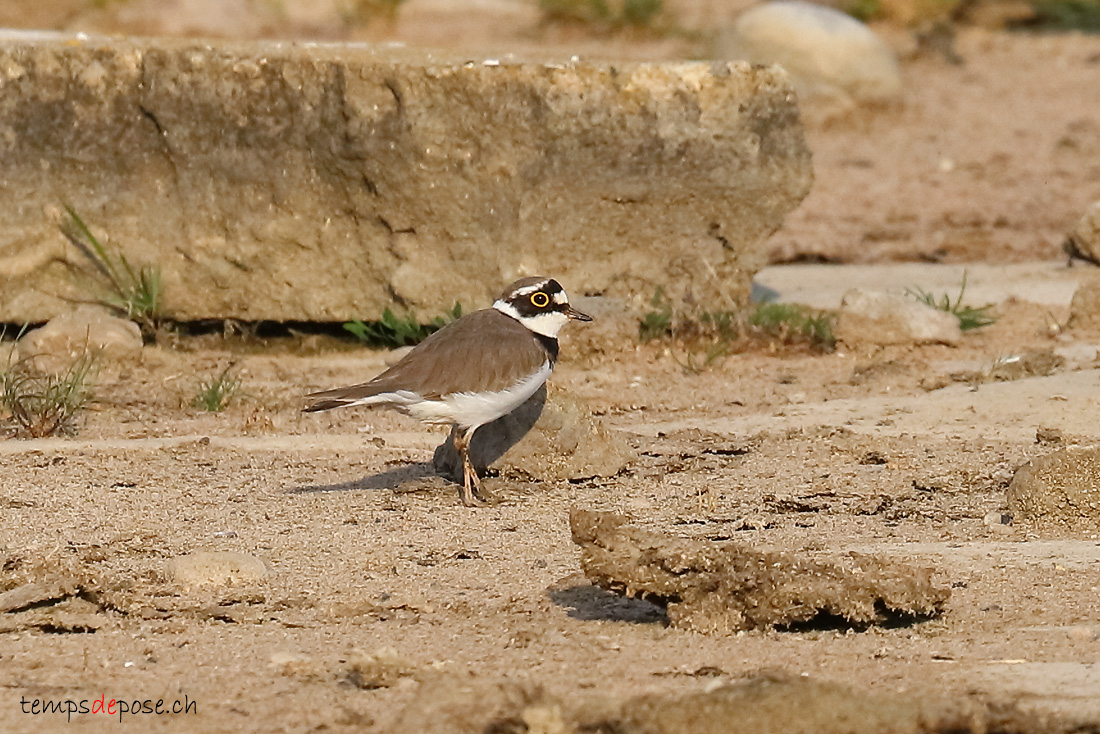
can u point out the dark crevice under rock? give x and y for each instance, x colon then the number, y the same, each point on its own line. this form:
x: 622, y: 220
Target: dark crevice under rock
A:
x: 724, y: 587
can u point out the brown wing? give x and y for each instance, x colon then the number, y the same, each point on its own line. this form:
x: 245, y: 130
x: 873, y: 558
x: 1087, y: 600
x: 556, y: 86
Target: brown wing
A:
x: 484, y: 350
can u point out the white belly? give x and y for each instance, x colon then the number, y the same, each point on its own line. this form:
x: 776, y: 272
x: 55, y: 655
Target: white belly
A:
x: 470, y: 410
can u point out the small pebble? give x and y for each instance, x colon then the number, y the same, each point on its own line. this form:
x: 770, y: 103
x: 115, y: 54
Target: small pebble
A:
x: 292, y: 663
x: 219, y: 568
x: 1084, y: 632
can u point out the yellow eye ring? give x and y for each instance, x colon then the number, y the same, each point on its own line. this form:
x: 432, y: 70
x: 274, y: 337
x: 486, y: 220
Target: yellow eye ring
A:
x: 540, y: 300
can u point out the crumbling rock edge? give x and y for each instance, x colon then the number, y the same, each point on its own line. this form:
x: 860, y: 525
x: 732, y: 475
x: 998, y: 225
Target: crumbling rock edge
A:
x: 722, y: 588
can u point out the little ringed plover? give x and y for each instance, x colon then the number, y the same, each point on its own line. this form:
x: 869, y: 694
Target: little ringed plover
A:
x: 474, y: 370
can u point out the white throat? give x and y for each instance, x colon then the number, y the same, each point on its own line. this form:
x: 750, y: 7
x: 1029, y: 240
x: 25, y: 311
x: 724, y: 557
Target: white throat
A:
x: 547, y: 324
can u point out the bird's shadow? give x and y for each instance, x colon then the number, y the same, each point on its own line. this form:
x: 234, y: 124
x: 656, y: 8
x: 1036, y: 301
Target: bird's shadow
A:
x: 405, y: 478
x: 591, y: 603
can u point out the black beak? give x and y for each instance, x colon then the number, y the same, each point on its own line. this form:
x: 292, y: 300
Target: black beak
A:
x: 576, y: 315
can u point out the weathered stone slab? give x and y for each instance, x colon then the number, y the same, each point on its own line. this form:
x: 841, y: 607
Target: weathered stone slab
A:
x: 1059, y: 491
x: 725, y: 587
x: 323, y: 182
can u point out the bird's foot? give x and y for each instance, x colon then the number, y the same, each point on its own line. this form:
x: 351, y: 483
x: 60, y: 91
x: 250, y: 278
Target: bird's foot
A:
x: 470, y: 497
x: 471, y: 485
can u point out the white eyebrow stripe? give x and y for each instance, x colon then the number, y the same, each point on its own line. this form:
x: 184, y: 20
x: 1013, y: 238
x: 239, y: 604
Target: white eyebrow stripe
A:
x: 529, y: 289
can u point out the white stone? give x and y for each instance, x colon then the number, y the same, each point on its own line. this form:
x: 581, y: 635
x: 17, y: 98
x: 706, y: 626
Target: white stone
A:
x: 89, y: 330
x: 881, y: 318
x: 825, y: 51
x: 1085, y: 237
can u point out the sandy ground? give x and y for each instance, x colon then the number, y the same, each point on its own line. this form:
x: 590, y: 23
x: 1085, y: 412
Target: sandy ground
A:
x: 993, y: 160
x: 895, y: 452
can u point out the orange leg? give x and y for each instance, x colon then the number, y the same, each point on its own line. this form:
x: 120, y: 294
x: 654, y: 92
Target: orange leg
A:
x: 470, y: 482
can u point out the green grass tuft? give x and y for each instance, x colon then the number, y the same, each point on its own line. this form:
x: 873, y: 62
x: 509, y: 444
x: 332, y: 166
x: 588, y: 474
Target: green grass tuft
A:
x: 358, y: 13
x: 393, y: 331
x: 697, y: 340
x: 1063, y: 15
x: 613, y: 14
x: 970, y: 317
x: 214, y: 394
x: 863, y: 10
x: 135, y: 294
x: 657, y: 323
x: 640, y: 13
x: 575, y: 11
x: 794, y: 322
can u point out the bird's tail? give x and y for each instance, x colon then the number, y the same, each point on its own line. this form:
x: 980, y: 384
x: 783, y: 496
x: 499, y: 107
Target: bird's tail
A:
x: 343, y: 397
x: 326, y: 405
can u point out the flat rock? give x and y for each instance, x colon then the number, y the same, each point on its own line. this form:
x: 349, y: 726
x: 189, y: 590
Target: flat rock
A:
x: 771, y: 702
x: 196, y: 18
x: 216, y: 568
x: 469, y: 704
x: 880, y: 318
x: 722, y: 588
x: 324, y: 182
x: 1084, y: 241
x: 86, y: 332
x: 1046, y: 282
x: 550, y: 437
x: 70, y: 614
x: 1059, y: 491
x: 379, y: 669
x: 38, y: 593
x: 828, y: 53
x: 1085, y: 307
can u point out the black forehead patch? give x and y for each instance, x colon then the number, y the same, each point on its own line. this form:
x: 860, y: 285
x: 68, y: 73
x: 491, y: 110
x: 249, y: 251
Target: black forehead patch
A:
x: 551, y: 288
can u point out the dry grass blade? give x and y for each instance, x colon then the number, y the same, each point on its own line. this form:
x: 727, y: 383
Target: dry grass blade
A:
x: 134, y: 293
x: 78, y: 234
x: 45, y: 404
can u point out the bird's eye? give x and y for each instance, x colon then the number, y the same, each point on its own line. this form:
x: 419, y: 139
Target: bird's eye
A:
x: 540, y: 300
